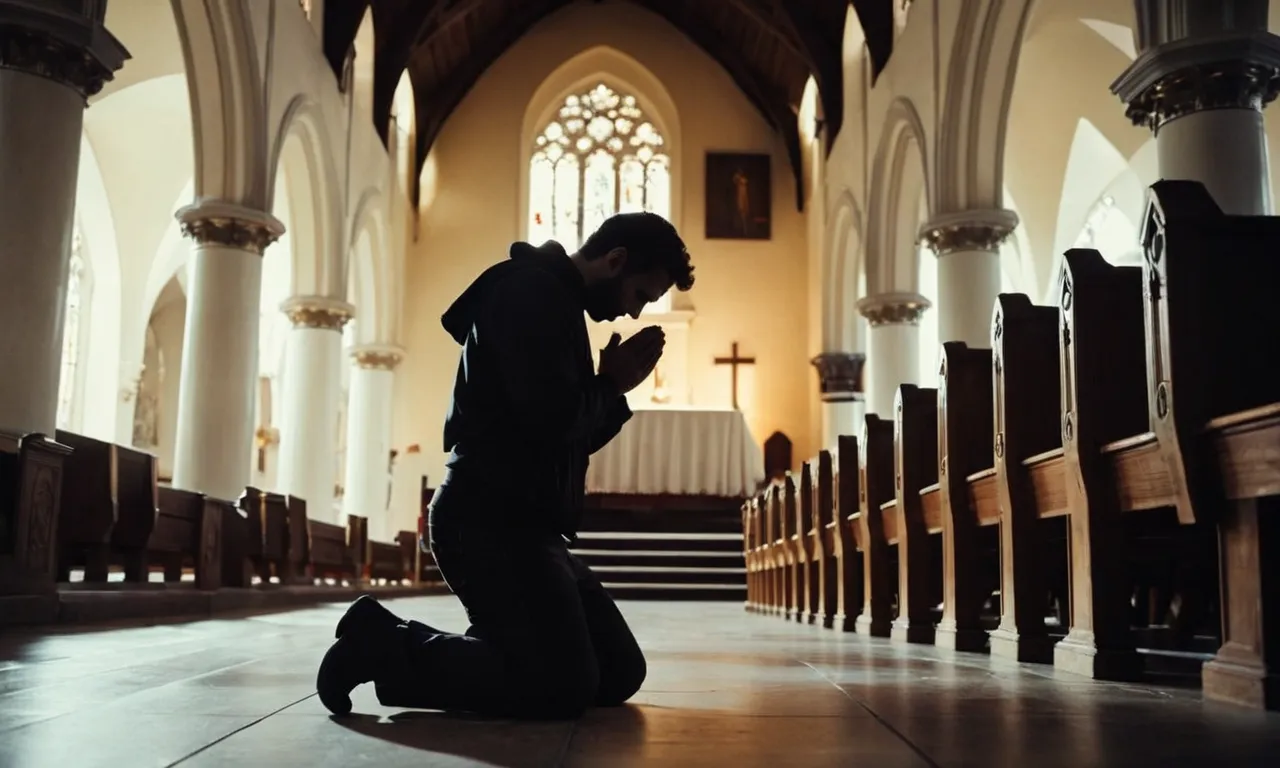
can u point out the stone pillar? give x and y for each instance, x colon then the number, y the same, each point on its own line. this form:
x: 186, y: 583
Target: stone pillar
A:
x: 894, y: 345
x: 1206, y: 71
x: 368, y: 476
x: 214, y: 445
x: 843, y: 400
x: 967, y: 244
x: 312, y: 386
x: 51, y: 61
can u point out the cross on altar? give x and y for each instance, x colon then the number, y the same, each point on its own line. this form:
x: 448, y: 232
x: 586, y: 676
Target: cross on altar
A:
x: 734, y: 361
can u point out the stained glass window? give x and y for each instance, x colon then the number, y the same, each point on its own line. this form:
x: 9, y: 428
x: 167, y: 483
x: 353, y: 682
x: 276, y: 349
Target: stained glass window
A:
x: 599, y: 155
x: 71, y: 334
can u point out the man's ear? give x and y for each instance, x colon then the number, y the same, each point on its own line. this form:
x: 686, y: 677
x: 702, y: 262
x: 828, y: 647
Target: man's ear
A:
x: 615, y: 260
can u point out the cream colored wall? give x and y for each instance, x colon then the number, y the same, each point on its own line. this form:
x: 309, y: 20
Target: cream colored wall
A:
x: 753, y: 292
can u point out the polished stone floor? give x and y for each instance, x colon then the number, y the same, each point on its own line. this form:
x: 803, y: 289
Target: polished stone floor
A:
x: 725, y: 688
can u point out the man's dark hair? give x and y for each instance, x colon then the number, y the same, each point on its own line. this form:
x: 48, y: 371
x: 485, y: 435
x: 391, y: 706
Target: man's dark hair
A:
x: 651, y: 242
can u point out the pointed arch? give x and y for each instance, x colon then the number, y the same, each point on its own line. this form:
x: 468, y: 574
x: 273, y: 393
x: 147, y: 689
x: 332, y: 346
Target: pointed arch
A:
x: 225, y: 84
x: 845, y: 266
x: 369, y: 282
x: 899, y: 178
x: 301, y: 157
x: 101, y: 359
x: 623, y: 74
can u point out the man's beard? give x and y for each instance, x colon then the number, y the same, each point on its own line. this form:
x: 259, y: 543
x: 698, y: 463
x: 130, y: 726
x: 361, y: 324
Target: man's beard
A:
x: 604, y: 300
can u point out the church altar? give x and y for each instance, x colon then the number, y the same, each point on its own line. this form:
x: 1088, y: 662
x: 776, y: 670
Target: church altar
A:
x: 679, y: 451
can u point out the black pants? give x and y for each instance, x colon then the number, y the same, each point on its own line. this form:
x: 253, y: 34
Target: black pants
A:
x: 546, y: 640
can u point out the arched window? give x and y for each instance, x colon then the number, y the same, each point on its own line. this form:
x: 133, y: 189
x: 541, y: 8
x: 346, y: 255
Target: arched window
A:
x: 71, y: 327
x: 598, y: 156
x: 402, y: 117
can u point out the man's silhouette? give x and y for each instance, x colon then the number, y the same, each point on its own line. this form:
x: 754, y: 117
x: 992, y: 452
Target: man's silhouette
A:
x: 546, y: 640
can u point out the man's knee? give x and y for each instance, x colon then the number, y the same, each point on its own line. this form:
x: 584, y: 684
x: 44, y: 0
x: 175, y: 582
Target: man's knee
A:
x: 622, y: 680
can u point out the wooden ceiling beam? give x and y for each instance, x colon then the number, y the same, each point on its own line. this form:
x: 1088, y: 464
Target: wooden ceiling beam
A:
x: 456, y: 13
x: 341, y: 25
x: 772, y: 102
x: 435, y: 107
x: 398, y: 33
x: 768, y: 24
x: 821, y: 53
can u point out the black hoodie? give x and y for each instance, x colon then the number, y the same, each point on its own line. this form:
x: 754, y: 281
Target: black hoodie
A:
x: 528, y: 408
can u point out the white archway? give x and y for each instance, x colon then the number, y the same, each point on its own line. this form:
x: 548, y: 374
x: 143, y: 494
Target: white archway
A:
x: 102, y: 358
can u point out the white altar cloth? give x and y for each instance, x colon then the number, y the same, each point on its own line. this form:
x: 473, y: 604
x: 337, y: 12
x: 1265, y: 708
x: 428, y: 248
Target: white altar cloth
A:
x: 680, y: 451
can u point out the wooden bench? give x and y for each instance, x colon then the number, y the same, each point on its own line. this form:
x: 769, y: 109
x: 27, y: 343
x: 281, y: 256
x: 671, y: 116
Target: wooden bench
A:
x: 109, y: 495
x: 1030, y: 484
x: 268, y: 540
x: 848, y: 568
x: 874, y: 530
x: 1214, y: 399
x: 31, y: 468
x: 826, y: 573
x: 187, y: 533
x: 967, y: 500
x: 915, y: 443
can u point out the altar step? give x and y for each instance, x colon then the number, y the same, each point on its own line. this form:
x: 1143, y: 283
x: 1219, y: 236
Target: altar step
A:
x: 651, y: 565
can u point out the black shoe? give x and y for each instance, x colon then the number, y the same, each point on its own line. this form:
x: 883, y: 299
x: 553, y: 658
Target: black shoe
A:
x: 363, y: 652
x: 366, y: 611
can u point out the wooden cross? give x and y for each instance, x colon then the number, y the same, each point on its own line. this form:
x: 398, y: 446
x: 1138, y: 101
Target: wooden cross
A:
x: 734, y: 361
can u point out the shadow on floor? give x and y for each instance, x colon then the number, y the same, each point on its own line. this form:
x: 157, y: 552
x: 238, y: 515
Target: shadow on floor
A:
x: 497, y: 742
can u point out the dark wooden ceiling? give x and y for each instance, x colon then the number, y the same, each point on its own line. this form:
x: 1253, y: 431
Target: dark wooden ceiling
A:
x: 769, y: 48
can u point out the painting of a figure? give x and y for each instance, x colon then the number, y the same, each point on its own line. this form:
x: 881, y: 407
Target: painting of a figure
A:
x: 738, y: 196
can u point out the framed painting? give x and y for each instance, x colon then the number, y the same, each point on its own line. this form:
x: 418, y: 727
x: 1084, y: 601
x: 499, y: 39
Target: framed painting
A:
x: 739, y: 196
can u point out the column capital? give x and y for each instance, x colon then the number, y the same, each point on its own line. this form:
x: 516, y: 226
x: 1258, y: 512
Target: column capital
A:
x: 1173, y: 79
x: 71, y: 47
x: 213, y: 222
x: 973, y: 230
x: 382, y: 357
x: 318, y: 312
x: 840, y: 375
x: 893, y: 308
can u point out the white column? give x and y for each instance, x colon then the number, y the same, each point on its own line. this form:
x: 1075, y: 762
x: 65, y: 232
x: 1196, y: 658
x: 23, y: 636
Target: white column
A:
x: 46, y: 74
x: 840, y: 385
x: 220, y: 351
x: 1200, y: 84
x: 312, y: 388
x: 967, y: 244
x: 368, y: 476
x: 893, y: 345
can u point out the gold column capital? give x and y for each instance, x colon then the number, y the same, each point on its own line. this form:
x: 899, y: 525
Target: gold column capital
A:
x: 213, y: 222
x: 893, y: 308
x: 69, y: 47
x: 972, y: 230
x: 381, y: 357
x: 317, y: 312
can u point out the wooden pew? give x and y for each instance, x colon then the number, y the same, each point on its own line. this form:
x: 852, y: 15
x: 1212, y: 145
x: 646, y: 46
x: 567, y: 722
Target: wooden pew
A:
x: 915, y: 442
x: 807, y: 542
x: 1112, y: 463
x: 241, y: 536
x: 750, y: 543
x: 848, y: 569
x: 1030, y: 483
x: 824, y: 516
x: 380, y: 561
x: 31, y: 469
x: 110, y: 505
x: 187, y: 532
x: 778, y: 544
x: 268, y: 540
x: 966, y: 495
x: 874, y: 530
x: 1214, y: 400
x: 331, y: 555
x: 792, y: 548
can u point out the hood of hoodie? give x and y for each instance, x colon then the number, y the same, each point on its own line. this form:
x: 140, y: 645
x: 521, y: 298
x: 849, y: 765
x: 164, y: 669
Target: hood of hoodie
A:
x: 461, y: 315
